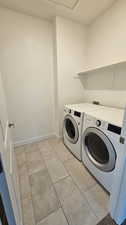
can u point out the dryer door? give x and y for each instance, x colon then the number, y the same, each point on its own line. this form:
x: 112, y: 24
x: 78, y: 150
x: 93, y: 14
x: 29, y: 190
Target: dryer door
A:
x: 71, y: 129
x: 99, y: 149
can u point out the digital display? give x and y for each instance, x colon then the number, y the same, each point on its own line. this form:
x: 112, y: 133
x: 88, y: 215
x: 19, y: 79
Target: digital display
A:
x: 114, y: 129
x: 77, y: 114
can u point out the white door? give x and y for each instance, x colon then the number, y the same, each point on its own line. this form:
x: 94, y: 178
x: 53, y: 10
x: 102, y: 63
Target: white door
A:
x: 8, y: 158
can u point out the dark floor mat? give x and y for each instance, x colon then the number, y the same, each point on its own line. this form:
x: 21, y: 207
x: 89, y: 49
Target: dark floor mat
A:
x: 107, y: 221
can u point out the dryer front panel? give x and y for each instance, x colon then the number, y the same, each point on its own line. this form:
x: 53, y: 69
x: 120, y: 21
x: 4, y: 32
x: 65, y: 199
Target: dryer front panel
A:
x: 99, y: 149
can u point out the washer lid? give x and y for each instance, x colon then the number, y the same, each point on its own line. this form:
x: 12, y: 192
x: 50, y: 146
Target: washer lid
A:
x: 83, y: 107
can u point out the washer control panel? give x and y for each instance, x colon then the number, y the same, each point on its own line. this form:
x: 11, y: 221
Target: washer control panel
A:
x: 78, y: 114
x: 68, y: 111
x: 72, y: 112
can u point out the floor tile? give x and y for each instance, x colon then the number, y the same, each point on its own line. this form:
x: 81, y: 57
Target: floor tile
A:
x: 34, y: 155
x: 73, y: 202
x: 31, y: 147
x: 77, y: 210
x: 45, y: 204
x: 48, y: 153
x: 28, y: 214
x: 21, y: 158
x: 54, y: 141
x: 62, y: 152
x: 98, y: 200
x: 35, y: 166
x: 19, y: 149
x: 35, y: 162
x: 80, y: 175
x: 56, y: 169
x: 40, y: 182
x: 25, y: 187
x: 83, y: 216
x: 51, y: 178
x: 65, y: 188
x: 56, y: 218
x: 23, y: 170
x: 21, y: 163
x: 44, y: 145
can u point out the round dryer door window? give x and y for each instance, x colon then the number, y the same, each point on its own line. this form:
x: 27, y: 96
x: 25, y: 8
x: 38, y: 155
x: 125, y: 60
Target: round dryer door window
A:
x: 71, y: 129
x: 99, y: 149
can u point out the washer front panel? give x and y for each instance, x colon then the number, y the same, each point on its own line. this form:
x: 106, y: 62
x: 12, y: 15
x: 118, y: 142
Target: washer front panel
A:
x: 70, y: 128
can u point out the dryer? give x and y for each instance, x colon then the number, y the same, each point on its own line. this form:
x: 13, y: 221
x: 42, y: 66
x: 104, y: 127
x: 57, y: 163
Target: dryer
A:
x: 101, y: 143
x: 72, y: 125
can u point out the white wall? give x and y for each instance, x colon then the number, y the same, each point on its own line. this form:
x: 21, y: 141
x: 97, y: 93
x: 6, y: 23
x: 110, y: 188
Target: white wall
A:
x: 70, y: 58
x: 106, y: 45
x: 39, y: 62
x: 35, y: 89
x: 26, y: 63
x: 107, y: 36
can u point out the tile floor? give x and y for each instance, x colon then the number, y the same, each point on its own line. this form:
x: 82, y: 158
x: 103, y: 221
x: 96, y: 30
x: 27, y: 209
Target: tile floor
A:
x: 55, y: 187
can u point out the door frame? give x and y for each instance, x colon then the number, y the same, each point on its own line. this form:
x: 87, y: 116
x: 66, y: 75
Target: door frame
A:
x: 8, y: 158
x: 6, y: 198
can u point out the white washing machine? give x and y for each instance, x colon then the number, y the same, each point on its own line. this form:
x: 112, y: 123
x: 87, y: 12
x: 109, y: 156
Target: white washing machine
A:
x: 101, y: 143
x: 72, y: 125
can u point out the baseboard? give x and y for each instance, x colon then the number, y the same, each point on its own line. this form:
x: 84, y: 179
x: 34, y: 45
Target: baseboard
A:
x: 33, y: 140
x: 58, y: 136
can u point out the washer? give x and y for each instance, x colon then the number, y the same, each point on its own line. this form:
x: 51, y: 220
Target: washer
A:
x: 72, y: 125
x: 101, y: 143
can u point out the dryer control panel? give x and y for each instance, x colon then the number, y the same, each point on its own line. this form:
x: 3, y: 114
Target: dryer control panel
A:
x: 114, y: 129
x: 98, y: 123
x: 90, y: 121
x: 110, y: 127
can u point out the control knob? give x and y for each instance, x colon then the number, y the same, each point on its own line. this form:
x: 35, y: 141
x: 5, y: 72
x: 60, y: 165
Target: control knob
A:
x: 98, y: 123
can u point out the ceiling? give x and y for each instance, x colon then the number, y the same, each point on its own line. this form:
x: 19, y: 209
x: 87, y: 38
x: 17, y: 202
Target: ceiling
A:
x: 84, y: 11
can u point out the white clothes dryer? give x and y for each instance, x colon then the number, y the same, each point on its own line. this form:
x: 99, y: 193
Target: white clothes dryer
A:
x: 101, y: 143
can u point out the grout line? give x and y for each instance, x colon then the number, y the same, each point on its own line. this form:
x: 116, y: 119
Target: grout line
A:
x: 61, y: 179
x: 65, y: 214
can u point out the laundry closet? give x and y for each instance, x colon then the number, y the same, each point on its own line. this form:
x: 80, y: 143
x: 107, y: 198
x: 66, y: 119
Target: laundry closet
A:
x: 63, y: 74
